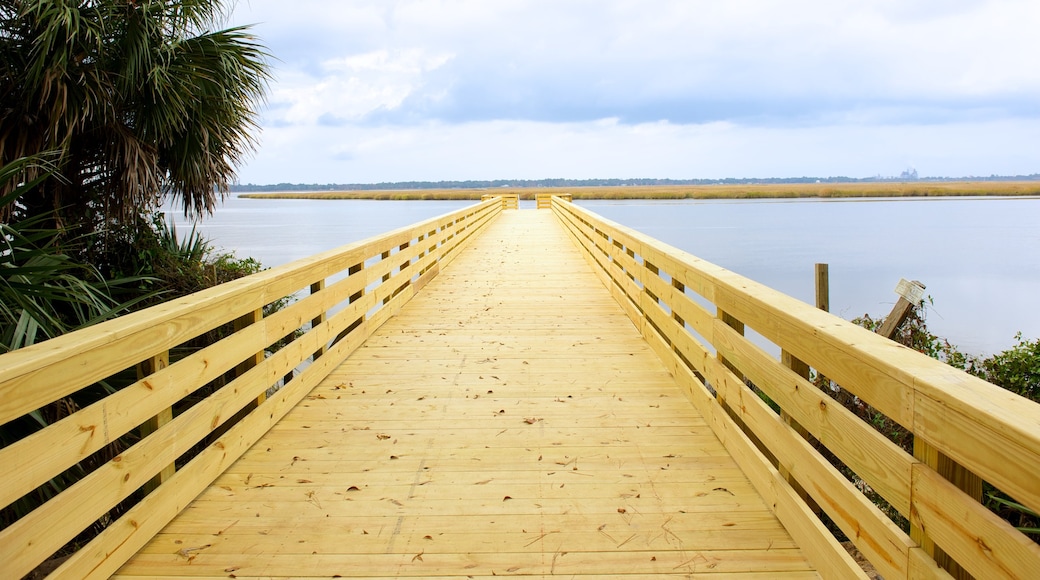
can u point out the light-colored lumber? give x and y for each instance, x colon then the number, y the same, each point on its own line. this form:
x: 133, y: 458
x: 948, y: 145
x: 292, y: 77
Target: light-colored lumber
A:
x: 35, y: 536
x: 509, y: 419
x: 991, y: 434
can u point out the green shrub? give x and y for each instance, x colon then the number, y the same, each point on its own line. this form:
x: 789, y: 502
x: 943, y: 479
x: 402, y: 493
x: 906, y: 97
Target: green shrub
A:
x: 1017, y: 369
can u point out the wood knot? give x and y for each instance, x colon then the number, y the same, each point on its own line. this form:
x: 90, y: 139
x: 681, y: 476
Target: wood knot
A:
x: 823, y: 405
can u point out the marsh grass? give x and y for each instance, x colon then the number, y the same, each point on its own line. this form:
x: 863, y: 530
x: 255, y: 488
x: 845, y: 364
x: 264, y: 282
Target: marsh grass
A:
x: 755, y: 191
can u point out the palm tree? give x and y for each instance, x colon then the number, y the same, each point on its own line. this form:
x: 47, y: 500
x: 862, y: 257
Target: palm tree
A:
x: 142, y: 99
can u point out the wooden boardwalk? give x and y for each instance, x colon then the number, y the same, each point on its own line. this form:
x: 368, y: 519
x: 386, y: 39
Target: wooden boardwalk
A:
x: 510, y: 420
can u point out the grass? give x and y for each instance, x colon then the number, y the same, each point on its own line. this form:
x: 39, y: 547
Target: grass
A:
x: 769, y: 191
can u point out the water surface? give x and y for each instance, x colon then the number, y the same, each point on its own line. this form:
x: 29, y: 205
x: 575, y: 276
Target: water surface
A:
x: 978, y: 257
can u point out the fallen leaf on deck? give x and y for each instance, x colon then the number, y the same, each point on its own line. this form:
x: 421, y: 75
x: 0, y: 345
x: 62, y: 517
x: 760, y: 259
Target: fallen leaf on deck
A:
x: 187, y: 552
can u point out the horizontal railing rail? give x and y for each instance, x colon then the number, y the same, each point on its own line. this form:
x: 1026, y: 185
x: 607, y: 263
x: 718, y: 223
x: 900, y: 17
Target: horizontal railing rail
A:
x: 544, y: 200
x: 179, y: 428
x: 509, y: 200
x: 965, y: 430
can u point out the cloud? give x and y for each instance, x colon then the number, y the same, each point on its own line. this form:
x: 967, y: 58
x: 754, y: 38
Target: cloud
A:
x: 378, y: 75
x: 351, y: 87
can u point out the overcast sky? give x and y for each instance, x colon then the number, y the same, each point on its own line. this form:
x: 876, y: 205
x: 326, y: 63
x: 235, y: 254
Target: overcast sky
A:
x: 379, y: 90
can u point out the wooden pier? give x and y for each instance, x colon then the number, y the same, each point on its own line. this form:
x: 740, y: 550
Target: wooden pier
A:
x: 509, y: 393
x: 509, y: 420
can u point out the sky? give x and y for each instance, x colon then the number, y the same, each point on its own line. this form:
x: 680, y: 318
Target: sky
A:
x: 369, y: 91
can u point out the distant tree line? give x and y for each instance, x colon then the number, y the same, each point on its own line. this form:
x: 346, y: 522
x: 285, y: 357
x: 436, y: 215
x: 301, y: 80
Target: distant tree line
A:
x: 532, y: 183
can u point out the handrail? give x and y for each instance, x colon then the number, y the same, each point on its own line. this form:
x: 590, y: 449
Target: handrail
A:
x: 955, y: 418
x: 352, y: 291
x: 509, y: 200
x: 544, y: 200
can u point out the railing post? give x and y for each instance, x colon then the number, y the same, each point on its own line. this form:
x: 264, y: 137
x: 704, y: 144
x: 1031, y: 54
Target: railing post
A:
x: 385, y: 256
x: 319, y: 319
x: 736, y: 325
x: 956, y: 474
x: 240, y: 324
x: 351, y: 271
x: 144, y: 368
x: 800, y: 368
x: 402, y: 268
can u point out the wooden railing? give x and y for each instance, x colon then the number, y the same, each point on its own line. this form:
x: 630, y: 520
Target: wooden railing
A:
x: 544, y: 200
x: 174, y: 412
x: 509, y: 200
x: 694, y: 314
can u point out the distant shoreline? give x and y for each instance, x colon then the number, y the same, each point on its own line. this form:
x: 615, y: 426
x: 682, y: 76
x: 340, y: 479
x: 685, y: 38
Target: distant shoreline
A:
x: 753, y: 191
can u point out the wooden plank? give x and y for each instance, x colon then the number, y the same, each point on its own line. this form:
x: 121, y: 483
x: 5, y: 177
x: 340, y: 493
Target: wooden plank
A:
x: 419, y: 563
x: 985, y: 545
x: 473, y: 538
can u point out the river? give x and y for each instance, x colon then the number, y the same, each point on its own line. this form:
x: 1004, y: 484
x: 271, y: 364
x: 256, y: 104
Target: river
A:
x: 978, y: 257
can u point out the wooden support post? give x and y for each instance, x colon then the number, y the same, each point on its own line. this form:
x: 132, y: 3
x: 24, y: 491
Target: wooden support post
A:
x: 682, y: 289
x: 823, y: 287
x: 737, y: 325
x: 801, y: 369
x: 631, y: 254
x: 910, y: 295
x: 353, y: 298
x: 145, y: 368
x: 404, y: 265
x: 653, y: 270
x: 257, y: 358
x: 384, y: 256
x: 823, y: 302
x: 319, y: 319
x: 732, y: 322
x: 965, y: 480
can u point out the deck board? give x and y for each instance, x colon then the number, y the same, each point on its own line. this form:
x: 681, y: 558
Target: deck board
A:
x: 510, y: 420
